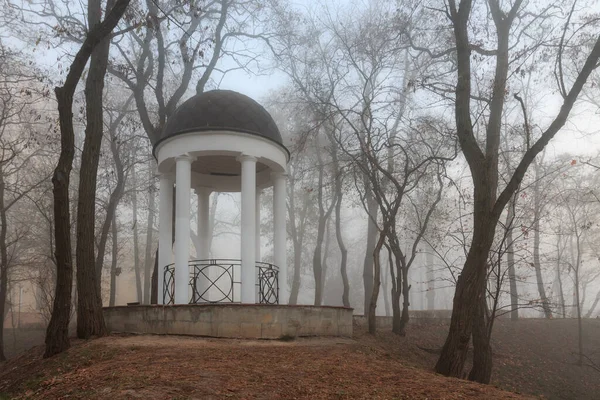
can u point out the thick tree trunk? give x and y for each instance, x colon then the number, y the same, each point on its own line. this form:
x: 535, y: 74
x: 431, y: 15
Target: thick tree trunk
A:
x: 510, y: 255
x: 371, y: 239
x: 57, y: 333
x: 470, y: 286
x: 113, y: 265
x: 482, y: 359
x: 136, y: 237
x: 90, y: 319
x: 148, y: 262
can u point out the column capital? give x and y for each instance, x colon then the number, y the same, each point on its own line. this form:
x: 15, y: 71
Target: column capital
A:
x: 246, y: 157
x: 203, y: 190
x: 279, y: 175
x: 184, y: 157
x: 166, y: 175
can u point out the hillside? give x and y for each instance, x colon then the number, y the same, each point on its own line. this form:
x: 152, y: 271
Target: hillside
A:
x: 533, y: 357
x: 154, y: 367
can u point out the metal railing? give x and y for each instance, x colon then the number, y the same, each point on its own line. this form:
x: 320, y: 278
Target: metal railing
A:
x: 219, y: 281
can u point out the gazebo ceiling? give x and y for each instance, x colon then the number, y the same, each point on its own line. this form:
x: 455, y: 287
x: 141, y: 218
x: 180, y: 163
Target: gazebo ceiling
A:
x: 221, y: 110
x: 221, y: 166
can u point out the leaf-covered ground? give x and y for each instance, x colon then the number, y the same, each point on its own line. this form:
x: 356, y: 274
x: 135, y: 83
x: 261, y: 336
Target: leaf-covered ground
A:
x: 155, y: 367
x: 534, y: 356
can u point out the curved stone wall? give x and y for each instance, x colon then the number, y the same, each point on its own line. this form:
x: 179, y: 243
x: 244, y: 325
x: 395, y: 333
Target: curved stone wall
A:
x: 248, y: 321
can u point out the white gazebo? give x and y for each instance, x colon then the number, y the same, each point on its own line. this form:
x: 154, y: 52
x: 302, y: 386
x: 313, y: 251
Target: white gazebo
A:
x: 220, y: 141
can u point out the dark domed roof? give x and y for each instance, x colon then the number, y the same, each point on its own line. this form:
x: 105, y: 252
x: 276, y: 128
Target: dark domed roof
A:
x: 221, y: 110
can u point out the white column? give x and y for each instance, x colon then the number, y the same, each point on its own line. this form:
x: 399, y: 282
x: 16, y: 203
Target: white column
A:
x: 203, y: 229
x: 182, y: 228
x: 280, y: 234
x: 248, y: 245
x: 165, y: 230
x: 257, y: 255
x: 203, y: 232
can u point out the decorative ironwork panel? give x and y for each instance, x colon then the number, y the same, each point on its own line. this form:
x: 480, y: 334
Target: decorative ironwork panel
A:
x: 268, y: 283
x: 169, y: 286
x: 216, y: 280
x: 218, y: 275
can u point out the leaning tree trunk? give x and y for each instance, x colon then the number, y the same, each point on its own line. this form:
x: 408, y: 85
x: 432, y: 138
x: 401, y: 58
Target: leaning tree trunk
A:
x: 90, y: 319
x: 113, y: 265
x: 57, y: 333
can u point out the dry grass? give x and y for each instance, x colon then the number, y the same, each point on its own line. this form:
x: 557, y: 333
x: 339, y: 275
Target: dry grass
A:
x: 155, y: 367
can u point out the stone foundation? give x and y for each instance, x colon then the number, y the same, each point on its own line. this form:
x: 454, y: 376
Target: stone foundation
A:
x: 247, y: 321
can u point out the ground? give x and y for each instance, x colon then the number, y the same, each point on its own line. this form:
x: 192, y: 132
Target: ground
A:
x: 533, y: 357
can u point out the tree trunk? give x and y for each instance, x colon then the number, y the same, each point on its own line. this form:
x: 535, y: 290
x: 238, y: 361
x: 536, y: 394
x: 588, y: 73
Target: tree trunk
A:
x: 154, y: 292
x: 396, y: 277
x: 111, y: 209
x: 510, y: 255
x: 430, y: 276
x: 371, y: 239
x: 338, y: 235
x: 405, y: 303
x: 297, y: 229
x: 136, y: 238
x: 3, y: 262
x: 384, y: 287
x: 90, y: 319
x: 470, y: 286
x: 372, y: 316
x: 482, y: 358
x: 537, y: 214
x: 149, y: 233
x: 561, y: 292
x: 113, y: 265
x: 57, y: 333
x: 324, y: 215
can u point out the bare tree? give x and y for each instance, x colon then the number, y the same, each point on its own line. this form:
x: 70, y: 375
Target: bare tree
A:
x: 483, y: 162
x: 57, y: 339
